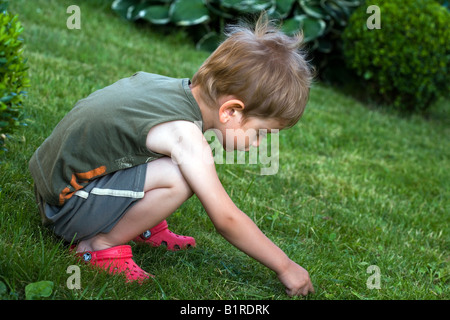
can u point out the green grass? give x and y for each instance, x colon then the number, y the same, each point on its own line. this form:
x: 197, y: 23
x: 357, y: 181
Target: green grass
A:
x: 357, y: 186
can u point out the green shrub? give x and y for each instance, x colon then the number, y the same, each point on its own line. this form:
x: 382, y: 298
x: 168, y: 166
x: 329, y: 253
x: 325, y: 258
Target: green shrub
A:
x: 405, y: 63
x: 321, y: 21
x: 13, y: 73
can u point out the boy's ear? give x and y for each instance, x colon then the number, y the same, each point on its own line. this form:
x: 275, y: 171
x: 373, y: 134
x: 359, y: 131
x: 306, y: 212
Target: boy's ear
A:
x: 228, y: 108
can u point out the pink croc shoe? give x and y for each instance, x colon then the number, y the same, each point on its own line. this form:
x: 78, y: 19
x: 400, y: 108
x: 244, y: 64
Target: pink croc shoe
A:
x: 116, y: 260
x: 160, y: 234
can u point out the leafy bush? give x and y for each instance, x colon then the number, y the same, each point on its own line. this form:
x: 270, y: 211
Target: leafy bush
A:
x: 406, y: 62
x: 322, y: 21
x: 13, y: 74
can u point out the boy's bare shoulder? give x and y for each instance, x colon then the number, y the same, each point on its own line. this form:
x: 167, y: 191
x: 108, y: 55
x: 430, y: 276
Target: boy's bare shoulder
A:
x: 164, y: 137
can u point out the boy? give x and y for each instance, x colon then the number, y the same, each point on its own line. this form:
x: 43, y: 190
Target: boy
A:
x: 127, y: 156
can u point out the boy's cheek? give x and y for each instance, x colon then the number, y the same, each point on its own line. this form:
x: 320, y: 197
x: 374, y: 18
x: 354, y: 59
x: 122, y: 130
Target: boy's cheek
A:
x: 237, y: 142
x: 229, y: 147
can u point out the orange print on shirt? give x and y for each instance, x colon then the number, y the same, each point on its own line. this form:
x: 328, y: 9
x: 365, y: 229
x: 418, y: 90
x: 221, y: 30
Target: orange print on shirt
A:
x: 78, y: 178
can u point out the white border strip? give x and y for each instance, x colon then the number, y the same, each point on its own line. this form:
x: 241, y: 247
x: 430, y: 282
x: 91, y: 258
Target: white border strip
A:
x: 82, y: 194
x: 111, y: 192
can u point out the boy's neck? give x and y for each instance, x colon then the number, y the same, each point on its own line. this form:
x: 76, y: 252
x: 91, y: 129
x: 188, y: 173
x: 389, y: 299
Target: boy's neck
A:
x: 208, y: 114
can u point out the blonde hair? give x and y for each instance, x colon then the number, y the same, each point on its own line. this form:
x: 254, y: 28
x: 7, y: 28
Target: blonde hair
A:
x: 262, y: 67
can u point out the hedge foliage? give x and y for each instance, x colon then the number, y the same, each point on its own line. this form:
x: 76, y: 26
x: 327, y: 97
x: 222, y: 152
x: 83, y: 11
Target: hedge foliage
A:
x: 13, y: 73
x: 405, y: 63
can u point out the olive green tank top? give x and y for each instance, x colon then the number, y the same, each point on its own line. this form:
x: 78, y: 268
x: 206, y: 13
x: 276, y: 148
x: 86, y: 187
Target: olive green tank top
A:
x: 107, y: 131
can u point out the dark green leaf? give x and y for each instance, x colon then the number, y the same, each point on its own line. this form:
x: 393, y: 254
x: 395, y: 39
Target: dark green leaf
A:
x: 124, y: 8
x: 312, y: 28
x: 156, y: 14
x: 37, y: 290
x: 216, y: 9
x: 292, y: 26
x: 3, y: 6
x: 8, y: 98
x: 209, y: 42
x: 135, y: 11
x: 188, y: 12
x: 350, y: 3
x: 249, y: 6
x: 283, y: 7
x: 313, y: 9
x: 336, y: 11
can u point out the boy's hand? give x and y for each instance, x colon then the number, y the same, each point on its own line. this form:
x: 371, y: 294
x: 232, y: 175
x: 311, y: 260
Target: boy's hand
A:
x: 296, y: 280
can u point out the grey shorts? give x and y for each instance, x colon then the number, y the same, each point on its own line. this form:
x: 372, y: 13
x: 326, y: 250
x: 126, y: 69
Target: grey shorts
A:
x: 99, y: 206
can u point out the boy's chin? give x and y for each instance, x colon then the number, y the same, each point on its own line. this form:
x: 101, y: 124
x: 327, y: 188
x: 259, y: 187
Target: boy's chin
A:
x: 228, y: 148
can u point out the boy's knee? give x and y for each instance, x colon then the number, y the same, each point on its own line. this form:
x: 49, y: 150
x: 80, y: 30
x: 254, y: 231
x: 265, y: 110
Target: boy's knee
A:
x: 179, y: 183
x: 164, y: 173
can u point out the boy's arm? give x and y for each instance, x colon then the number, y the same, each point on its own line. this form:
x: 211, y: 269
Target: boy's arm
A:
x: 185, y: 143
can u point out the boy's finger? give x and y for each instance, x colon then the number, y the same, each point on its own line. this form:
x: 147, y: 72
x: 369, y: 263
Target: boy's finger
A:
x: 293, y: 292
x: 306, y: 290
x: 298, y: 292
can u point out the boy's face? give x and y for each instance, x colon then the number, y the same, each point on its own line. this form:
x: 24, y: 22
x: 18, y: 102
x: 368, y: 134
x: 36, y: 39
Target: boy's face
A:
x: 239, y: 135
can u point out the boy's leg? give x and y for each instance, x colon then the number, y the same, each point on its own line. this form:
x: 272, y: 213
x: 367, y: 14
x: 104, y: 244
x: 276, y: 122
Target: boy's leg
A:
x: 165, y: 190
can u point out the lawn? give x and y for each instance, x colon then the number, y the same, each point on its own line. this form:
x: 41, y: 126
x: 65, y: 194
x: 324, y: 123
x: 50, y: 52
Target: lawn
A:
x: 357, y: 186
